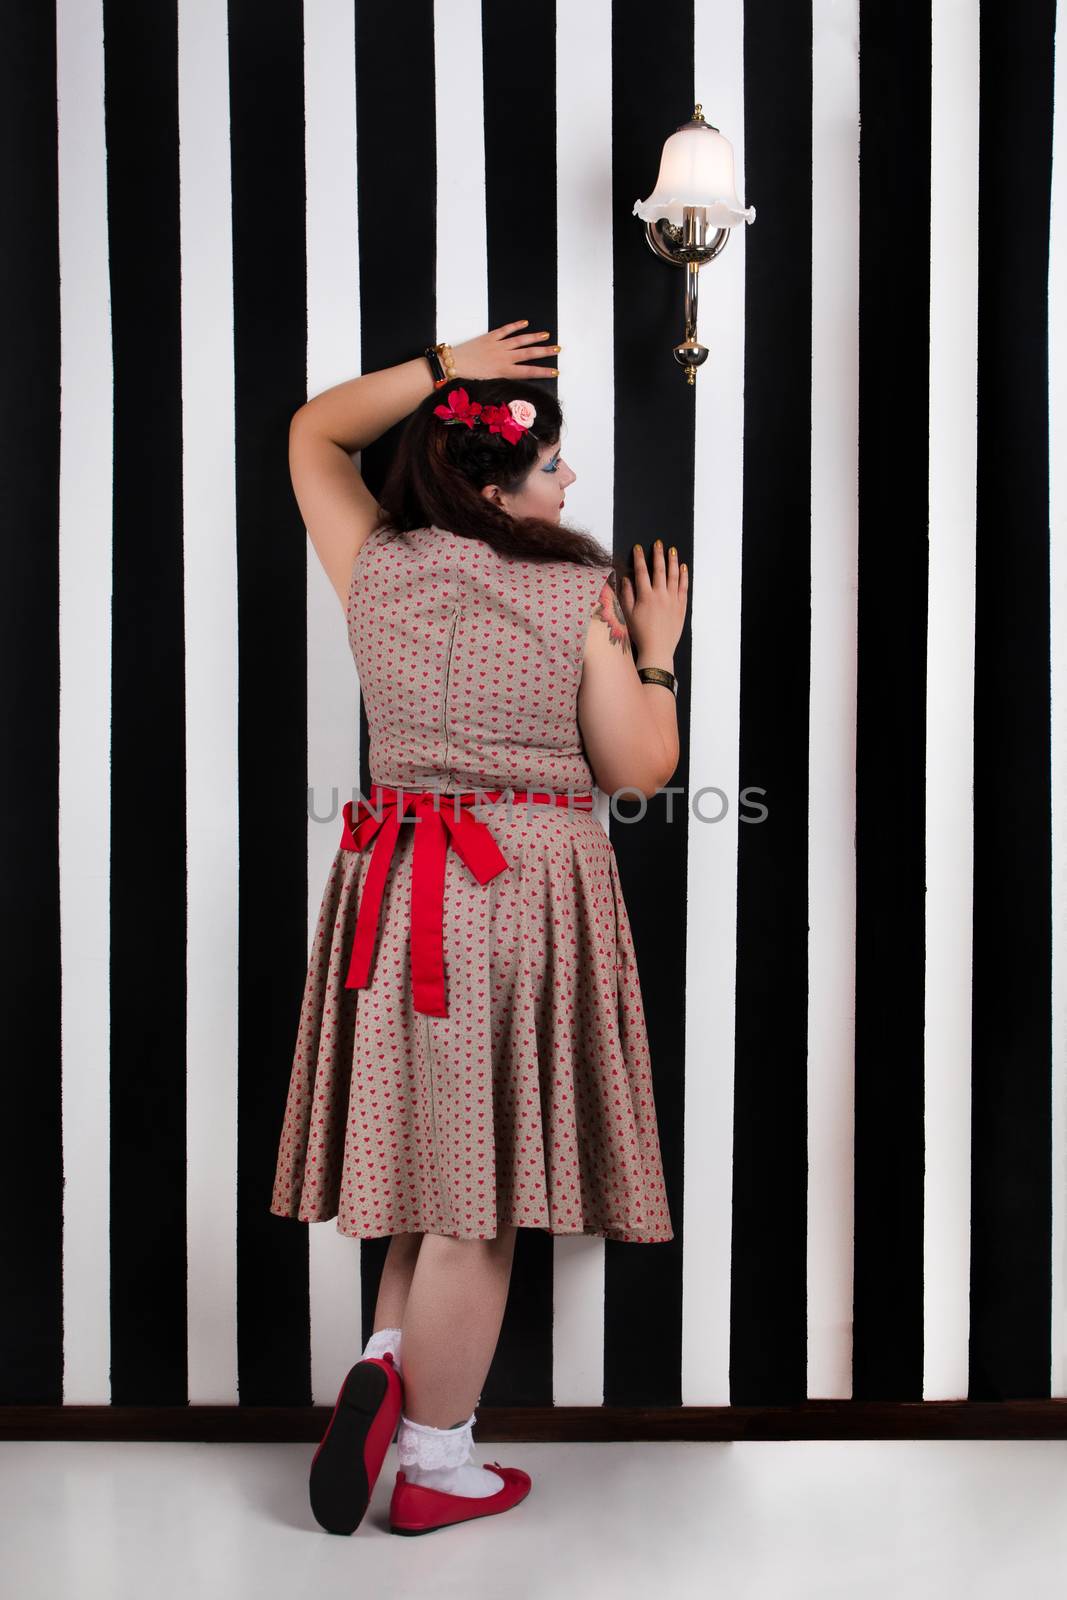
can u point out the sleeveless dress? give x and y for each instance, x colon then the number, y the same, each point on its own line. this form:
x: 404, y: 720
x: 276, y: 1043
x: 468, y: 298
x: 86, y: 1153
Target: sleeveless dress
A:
x: 531, y: 1101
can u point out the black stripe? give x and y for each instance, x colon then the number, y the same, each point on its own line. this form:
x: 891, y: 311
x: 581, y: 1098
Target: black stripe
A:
x: 769, y: 1231
x: 31, y: 1233
x: 892, y: 689
x: 652, y: 94
x: 270, y: 377
x: 1011, y: 1128
x: 522, y: 283
x: 148, y: 800
x: 397, y: 194
x: 894, y: 288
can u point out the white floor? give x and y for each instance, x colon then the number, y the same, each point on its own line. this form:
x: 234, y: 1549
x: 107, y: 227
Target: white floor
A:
x: 777, y: 1521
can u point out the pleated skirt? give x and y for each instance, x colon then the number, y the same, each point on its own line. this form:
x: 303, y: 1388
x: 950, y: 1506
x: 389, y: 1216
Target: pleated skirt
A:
x: 530, y: 1103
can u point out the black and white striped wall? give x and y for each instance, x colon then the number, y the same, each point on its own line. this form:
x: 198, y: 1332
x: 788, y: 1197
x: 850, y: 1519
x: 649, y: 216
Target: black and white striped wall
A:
x: 858, y: 1007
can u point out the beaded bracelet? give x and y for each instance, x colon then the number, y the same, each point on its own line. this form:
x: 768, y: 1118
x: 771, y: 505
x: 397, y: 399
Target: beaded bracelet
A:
x: 442, y: 363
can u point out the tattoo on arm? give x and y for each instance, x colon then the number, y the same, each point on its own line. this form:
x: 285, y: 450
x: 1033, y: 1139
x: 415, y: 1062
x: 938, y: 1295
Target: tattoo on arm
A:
x: 610, y: 613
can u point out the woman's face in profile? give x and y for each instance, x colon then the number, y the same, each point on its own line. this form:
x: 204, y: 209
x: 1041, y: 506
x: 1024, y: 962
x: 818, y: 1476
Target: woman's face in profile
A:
x: 542, y: 492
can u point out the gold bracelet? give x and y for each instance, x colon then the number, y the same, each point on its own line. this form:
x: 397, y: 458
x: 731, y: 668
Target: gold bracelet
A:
x: 448, y: 361
x: 659, y: 675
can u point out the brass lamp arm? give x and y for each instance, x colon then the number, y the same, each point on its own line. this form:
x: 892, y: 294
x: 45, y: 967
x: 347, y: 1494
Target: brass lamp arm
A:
x: 686, y: 246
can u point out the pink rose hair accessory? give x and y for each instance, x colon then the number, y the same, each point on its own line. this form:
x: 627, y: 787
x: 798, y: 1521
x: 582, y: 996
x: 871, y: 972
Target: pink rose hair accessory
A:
x: 519, y: 422
x: 511, y: 421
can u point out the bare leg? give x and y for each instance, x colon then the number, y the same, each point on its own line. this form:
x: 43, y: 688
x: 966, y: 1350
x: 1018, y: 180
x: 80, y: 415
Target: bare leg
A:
x: 396, y: 1278
x: 452, y: 1323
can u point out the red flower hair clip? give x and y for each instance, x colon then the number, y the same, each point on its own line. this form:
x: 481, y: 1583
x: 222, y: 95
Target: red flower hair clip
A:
x: 512, y: 420
x: 460, y: 408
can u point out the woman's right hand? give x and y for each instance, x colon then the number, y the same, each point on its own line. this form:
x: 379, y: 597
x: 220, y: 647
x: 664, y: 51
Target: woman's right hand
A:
x: 653, y: 602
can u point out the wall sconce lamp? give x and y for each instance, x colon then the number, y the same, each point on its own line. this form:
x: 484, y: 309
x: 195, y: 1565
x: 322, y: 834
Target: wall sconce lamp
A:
x: 695, y: 190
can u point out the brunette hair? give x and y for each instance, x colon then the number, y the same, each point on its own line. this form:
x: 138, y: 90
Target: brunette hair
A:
x: 439, y: 468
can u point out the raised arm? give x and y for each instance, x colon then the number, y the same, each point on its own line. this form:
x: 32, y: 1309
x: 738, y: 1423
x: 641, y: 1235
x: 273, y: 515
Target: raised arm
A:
x: 629, y: 727
x: 339, y: 510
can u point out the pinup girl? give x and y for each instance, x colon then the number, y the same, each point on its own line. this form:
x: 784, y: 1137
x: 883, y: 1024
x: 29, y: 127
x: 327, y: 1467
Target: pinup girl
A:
x: 471, y: 1055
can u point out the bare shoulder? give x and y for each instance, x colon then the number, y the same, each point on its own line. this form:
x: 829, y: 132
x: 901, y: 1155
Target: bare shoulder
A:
x: 338, y: 509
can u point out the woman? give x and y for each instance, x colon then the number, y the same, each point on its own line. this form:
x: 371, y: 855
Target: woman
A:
x: 472, y: 1054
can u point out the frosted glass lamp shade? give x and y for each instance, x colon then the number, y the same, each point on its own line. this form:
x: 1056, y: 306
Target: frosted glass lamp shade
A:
x: 696, y: 169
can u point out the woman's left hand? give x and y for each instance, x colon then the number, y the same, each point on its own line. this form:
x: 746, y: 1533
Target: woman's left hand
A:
x: 504, y: 353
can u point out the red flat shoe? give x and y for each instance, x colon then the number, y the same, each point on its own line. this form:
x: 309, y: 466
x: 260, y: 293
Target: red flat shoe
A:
x: 416, y: 1509
x: 345, y: 1467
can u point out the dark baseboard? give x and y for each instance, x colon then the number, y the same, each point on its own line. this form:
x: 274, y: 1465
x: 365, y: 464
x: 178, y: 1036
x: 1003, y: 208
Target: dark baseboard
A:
x: 814, y: 1419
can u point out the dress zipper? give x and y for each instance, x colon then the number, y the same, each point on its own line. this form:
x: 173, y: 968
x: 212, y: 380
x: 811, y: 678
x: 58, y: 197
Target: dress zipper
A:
x: 444, y: 696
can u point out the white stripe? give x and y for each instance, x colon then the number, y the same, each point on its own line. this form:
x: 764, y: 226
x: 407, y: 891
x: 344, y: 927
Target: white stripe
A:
x: 832, y: 705
x: 85, y: 555
x: 209, y: 516
x: 950, y: 697
x: 1057, y: 296
x: 333, y: 313
x: 462, y: 285
x: 585, y: 387
x: 715, y: 610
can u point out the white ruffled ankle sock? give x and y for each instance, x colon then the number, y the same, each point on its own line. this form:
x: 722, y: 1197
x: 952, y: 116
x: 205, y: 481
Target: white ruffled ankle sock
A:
x: 385, y: 1339
x: 439, y: 1458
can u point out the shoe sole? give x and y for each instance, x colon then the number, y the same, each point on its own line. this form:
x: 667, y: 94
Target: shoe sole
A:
x: 337, y: 1482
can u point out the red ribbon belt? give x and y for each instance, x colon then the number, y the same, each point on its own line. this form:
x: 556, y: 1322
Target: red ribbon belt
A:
x: 437, y: 818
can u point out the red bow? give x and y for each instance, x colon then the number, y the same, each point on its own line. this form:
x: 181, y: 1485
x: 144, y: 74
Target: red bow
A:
x: 439, y: 819
x: 435, y: 824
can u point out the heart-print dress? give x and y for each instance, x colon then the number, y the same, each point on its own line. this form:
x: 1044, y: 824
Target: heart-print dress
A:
x: 531, y: 1101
